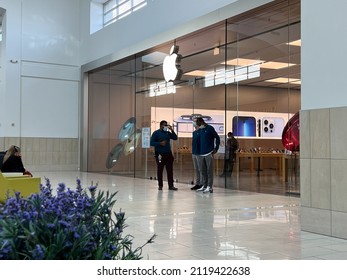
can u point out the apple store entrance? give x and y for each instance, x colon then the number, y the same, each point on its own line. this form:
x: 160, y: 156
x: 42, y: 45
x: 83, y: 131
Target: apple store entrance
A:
x: 241, y: 75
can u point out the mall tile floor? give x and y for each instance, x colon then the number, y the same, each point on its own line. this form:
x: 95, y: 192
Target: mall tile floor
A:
x: 226, y: 224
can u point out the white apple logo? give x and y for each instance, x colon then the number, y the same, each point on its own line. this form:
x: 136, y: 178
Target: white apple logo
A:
x: 171, y: 67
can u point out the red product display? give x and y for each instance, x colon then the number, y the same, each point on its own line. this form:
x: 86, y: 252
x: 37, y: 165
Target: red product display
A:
x: 291, y: 134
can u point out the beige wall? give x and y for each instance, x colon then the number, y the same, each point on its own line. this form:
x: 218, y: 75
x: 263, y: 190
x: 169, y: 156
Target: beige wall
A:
x: 323, y: 154
x: 46, y: 154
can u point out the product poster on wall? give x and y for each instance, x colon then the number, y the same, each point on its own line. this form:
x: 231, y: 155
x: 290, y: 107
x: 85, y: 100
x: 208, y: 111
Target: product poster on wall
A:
x: 182, y: 119
x: 244, y: 124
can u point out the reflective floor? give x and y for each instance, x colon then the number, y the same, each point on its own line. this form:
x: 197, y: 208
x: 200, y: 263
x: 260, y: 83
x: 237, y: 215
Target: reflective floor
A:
x: 226, y: 224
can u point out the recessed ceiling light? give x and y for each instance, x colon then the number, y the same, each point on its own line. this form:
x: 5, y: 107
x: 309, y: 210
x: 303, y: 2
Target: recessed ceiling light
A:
x: 275, y: 65
x: 243, y: 62
x: 283, y: 80
x: 198, y: 73
x: 298, y: 82
x: 295, y: 43
x: 216, y: 51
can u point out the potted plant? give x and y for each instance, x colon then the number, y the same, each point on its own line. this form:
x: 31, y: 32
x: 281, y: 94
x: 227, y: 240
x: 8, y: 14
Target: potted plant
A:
x: 72, y: 224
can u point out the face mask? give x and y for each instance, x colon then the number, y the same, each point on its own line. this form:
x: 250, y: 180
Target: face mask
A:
x: 165, y: 128
x: 194, y: 124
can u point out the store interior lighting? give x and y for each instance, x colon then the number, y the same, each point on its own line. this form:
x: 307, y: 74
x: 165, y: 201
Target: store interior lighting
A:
x: 284, y: 81
x: 296, y: 43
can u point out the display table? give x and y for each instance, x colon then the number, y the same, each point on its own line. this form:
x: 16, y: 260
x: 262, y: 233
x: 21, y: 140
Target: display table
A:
x: 279, y: 157
x: 292, y: 166
x: 285, y: 164
x: 184, y: 156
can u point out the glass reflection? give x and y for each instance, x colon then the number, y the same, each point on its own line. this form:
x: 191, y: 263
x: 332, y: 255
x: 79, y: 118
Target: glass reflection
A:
x: 114, y: 155
x: 127, y: 129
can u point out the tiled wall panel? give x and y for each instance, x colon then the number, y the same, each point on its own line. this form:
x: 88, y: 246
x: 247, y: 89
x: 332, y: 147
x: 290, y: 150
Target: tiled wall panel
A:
x: 323, y: 154
x: 46, y: 154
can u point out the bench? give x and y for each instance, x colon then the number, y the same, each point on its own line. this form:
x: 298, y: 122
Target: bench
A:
x: 10, y: 183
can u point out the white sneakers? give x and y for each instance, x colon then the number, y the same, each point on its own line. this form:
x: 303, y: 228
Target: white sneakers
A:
x: 208, y: 189
x: 205, y: 189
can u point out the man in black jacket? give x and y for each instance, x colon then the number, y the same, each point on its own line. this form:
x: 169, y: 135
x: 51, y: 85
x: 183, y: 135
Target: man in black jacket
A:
x: 231, y: 147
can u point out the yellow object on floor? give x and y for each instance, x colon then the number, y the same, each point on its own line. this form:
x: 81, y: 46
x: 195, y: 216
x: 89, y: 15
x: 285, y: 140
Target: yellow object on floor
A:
x: 10, y: 184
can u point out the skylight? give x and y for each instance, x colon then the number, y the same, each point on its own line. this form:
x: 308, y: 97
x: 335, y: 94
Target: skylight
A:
x: 117, y: 9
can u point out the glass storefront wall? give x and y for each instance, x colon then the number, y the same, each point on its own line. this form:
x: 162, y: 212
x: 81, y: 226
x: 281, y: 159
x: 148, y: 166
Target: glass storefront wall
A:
x: 242, y: 75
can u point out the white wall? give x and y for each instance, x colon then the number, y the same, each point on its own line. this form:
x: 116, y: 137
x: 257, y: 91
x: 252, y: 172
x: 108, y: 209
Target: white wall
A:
x: 41, y: 90
x: 10, y: 85
x: 323, y: 57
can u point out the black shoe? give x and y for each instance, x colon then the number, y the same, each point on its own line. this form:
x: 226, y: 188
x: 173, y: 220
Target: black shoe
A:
x: 195, y: 187
x: 160, y: 188
x: 173, y: 189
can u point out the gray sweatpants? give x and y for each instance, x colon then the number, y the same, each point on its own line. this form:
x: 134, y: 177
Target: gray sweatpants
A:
x: 197, y: 170
x: 206, y: 164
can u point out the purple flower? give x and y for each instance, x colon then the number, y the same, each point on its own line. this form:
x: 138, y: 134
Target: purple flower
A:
x: 61, y: 188
x: 26, y: 215
x: 120, y: 215
x: 38, y: 253
x: 68, y: 225
x: 92, y: 188
x: 6, y: 249
x: 51, y: 226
